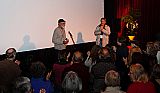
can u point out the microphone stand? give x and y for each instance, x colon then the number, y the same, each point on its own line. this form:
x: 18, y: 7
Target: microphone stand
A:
x: 71, y: 37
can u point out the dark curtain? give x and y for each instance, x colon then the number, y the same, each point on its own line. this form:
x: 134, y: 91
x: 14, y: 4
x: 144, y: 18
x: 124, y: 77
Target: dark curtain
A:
x: 122, y: 9
x: 149, y: 20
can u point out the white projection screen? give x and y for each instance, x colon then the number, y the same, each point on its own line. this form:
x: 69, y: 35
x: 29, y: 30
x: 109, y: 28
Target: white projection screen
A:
x: 29, y: 24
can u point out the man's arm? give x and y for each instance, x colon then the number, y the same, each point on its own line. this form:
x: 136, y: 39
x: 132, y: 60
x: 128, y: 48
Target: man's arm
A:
x: 57, y: 37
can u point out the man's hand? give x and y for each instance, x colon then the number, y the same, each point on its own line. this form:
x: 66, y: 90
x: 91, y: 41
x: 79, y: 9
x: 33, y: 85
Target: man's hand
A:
x: 66, y: 41
x: 17, y: 62
x: 125, y: 60
x: 42, y: 90
x: 88, y: 53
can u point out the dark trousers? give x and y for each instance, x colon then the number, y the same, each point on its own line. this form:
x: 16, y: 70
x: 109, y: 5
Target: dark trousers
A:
x: 60, y: 54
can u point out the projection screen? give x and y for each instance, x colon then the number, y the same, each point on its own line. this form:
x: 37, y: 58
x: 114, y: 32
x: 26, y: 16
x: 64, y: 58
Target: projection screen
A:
x: 29, y: 24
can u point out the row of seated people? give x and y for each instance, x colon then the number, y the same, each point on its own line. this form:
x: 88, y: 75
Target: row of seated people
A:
x: 133, y: 74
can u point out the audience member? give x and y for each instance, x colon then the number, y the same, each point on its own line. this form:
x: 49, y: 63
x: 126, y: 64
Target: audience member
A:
x: 72, y: 83
x: 58, y: 69
x: 157, y: 48
x: 92, y: 57
x: 38, y: 80
x: 104, y: 55
x: 150, y: 56
x: 141, y: 83
x: 22, y: 85
x: 121, y: 55
x: 80, y: 69
x: 134, y: 48
x: 9, y: 70
x: 122, y: 50
x: 155, y: 77
x: 99, y: 70
x: 112, y: 81
x: 138, y: 57
x: 150, y: 49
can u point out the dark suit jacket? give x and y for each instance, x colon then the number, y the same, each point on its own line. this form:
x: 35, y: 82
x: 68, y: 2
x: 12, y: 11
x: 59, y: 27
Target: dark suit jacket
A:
x: 8, y: 72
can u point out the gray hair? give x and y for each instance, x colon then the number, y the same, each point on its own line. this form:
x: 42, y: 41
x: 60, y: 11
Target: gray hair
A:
x: 22, y: 85
x: 72, y: 83
x: 112, y: 78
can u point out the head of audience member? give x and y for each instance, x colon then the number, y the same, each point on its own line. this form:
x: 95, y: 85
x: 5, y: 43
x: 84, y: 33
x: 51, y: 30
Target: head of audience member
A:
x: 64, y: 58
x: 132, y: 50
x: 61, y: 23
x: 136, y: 58
x: 94, y: 51
x: 112, y: 52
x: 155, y: 74
x: 112, y: 79
x: 77, y: 57
x: 37, y: 69
x: 22, y: 85
x: 103, y: 21
x: 138, y: 74
x: 72, y: 83
x: 150, y: 49
x: 135, y: 49
x: 48, y: 74
x: 104, y: 55
x: 11, y: 54
x: 121, y: 41
x: 157, y: 45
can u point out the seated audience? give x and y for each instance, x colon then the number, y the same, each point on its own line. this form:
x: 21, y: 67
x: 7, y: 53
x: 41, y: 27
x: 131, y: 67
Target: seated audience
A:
x: 22, y: 85
x: 141, y: 83
x: 150, y: 49
x: 9, y: 70
x: 99, y: 70
x: 134, y: 49
x: 58, y: 69
x: 72, y: 83
x: 38, y: 80
x: 122, y: 53
x: 92, y: 57
x: 137, y: 57
x: 112, y: 81
x: 122, y: 50
x: 82, y: 71
x: 151, y: 58
x: 105, y: 56
x: 155, y: 77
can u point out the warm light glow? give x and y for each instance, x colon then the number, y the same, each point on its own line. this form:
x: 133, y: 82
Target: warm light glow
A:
x: 131, y: 38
